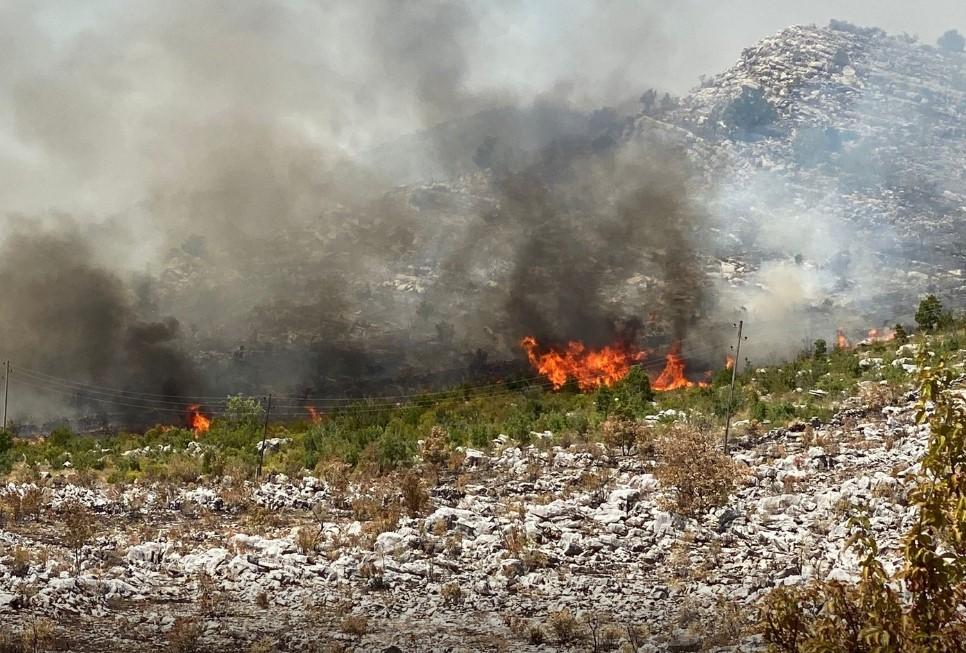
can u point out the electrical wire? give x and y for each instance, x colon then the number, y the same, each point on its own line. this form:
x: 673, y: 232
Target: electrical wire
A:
x: 156, y: 403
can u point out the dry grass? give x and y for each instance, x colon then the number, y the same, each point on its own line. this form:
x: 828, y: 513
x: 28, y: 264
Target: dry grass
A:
x: 565, y: 627
x: 452, y: 593
x: 355, y: 626
x: 185, y: 636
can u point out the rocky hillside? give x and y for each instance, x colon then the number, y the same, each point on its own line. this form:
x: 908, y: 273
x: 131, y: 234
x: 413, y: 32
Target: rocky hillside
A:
x: 846, y: 128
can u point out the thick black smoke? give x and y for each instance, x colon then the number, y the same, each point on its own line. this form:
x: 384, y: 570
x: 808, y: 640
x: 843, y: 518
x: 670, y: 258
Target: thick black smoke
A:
x: 64, y: 316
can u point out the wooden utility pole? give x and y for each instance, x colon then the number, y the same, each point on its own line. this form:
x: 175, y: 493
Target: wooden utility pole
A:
x: 6, y: 391
x: 261, y: 453
x: 731, y: 396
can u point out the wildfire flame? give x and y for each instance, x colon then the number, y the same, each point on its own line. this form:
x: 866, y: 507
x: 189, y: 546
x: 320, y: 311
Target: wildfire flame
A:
x: 729, y: 361
x: 590, y: 368
x: 199, y: 422
x: 841, y: 341
x: 881, y: 335
x: 672, y: 377
x: 314, y: 414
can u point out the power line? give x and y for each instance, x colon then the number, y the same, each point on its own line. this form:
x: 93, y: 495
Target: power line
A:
x: 300, y: 400
x: 347, y: 406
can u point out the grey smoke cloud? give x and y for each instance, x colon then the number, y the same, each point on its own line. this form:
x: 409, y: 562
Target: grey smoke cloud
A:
x: 228, y: 157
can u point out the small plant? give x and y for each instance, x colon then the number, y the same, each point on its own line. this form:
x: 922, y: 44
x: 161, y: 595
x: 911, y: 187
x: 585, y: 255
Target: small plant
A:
x: 597, y: 483
x: 693, y: 467
x: 901, y: 337
x: 622, y: 433
x: 210, y: 599
x: 414, y: 494
x: 452, y: 593
x: 20, y: 563
x: 536, y: 635
x: 565, y: 627
x: 435, y: 449
x: 185, y: 636
x: 603, y: 636
x: 306, y: 539
x: 820, y: 349
x: 355, y: 626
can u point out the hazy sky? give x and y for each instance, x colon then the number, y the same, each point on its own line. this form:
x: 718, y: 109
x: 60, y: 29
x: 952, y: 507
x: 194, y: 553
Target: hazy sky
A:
x: 534, y: 43
x: 104, y: 101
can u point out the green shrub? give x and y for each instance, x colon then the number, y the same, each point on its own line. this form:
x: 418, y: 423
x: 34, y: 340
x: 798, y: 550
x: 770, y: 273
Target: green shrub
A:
x: 243, y: 412
x: 918, y: 609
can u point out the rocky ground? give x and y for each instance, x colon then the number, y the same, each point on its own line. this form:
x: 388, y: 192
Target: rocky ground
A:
x: 533, y: 548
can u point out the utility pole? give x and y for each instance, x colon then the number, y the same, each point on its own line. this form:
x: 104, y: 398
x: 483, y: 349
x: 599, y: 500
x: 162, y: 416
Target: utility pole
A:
x: 261, y: 453
x: 6, y: 391
x: 734, y: 374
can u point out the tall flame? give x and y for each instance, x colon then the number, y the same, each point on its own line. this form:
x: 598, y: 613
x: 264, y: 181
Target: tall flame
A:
x: 588, y: 367
x: 841, y: 341
x: 729, y: 361
x: 199, y: 422
x: 672, y: 377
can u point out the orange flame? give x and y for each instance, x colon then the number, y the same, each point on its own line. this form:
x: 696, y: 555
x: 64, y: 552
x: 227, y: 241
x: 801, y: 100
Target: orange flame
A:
x: 729, y: 361
x: 590, y: 368
x: 841, y: 341
x: 672, y: 377
x: 314, y: 414
x: 199, y: 422
x: 881, y: 335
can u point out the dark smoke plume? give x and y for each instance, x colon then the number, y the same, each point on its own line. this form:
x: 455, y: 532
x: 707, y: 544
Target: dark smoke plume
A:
x: 64, y: 315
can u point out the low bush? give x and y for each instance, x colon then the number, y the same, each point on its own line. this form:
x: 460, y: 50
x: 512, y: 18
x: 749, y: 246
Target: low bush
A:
x: 692, y: 466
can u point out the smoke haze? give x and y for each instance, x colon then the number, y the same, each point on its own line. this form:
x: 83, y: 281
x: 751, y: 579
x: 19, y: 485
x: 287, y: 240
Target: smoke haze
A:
x: 181, y: 179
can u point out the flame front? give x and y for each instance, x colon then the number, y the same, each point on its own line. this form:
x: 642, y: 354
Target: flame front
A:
x: 314, y: 414
x: 199, y: 422
x: 881, y: 335
x: 672, y: 377
x: 588, y: 367
x: 729, y: 361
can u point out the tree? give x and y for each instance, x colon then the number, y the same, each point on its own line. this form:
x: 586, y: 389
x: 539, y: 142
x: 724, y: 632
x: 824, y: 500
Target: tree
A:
x: 79, y: 529
x: 952, y: 41
x: 820, y: 348
x: 668, y: 103
x: 750, y: 109
x: 930, y: 315
x: 901, y: 336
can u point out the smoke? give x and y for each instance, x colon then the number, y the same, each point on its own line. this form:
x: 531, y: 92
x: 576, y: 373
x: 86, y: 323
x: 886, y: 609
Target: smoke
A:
x: 577, y: 235
x: 63, y: 313
x: 253, y: 184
